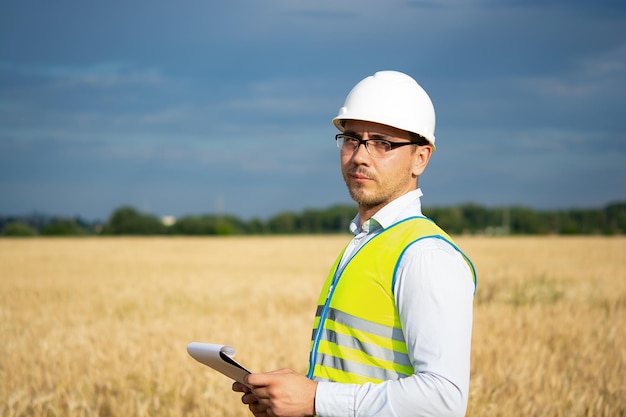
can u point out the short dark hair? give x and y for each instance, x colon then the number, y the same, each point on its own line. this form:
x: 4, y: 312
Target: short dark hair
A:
x: 419, y: 139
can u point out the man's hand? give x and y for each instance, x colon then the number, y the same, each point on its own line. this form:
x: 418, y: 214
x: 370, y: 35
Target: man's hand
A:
x: 282, y: 393
x: 248, y: 398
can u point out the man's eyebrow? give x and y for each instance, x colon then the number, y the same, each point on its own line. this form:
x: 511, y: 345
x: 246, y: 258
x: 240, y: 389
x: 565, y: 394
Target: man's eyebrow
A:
x: 378, y: 136
x: 371, y: 135
x: 350, y: 133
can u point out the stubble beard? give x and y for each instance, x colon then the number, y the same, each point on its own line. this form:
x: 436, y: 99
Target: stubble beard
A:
x: 362, y: 196
x: 377, y: 194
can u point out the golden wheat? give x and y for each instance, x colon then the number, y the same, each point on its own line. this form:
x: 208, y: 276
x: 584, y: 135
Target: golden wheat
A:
x: 99, y: 326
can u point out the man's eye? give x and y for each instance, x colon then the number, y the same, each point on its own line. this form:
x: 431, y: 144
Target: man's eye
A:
x: 380, y: 143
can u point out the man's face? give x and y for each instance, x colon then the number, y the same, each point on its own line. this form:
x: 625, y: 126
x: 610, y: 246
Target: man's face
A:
x: 374, y: 182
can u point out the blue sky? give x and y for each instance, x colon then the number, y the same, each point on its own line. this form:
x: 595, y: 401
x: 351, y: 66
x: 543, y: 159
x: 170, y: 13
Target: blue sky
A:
x: 195, y: 107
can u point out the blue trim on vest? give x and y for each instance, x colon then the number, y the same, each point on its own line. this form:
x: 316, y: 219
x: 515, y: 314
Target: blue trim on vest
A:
x: 324, y: 313
x: 339, y: 273
x: 469, y: 261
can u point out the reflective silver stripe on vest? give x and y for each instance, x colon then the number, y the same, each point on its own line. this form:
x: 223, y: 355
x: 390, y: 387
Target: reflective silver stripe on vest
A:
x: 367, y: 348
x: 365, y: 325
x: 358, y: 368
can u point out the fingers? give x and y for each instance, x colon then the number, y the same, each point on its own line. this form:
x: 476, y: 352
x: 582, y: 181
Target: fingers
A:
x: 259, y: 409
x: 260, y: 380
x: 239, y: 387
x: 249, y: 398
x: 283, y: 393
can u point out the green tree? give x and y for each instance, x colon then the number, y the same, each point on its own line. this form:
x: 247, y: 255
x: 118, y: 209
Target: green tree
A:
x: 449, y: 219
x: 19, y: 229
x: 195, y: 225
x: 64, y: 227
x: 283, y: 223
x: 616, y: 218
x: 128, y: 221
x: 256, y: 227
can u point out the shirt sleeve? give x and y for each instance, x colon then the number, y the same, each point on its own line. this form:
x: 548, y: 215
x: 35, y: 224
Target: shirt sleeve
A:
x: 434, y: 292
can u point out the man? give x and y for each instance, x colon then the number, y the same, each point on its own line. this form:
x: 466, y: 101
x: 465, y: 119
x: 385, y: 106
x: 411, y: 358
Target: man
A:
x: 393, y: 327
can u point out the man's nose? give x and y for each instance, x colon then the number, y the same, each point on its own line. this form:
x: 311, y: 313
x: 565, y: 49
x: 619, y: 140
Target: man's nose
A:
x: 361, y: 153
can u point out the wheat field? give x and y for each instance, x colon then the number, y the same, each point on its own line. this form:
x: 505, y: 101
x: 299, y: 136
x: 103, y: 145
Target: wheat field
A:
x: 99, y: 326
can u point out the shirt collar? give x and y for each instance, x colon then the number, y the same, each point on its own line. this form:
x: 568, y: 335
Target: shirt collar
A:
x: 407, y: 205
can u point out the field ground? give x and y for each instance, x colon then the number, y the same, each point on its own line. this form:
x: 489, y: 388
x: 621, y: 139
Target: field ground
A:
x: 99, y: 326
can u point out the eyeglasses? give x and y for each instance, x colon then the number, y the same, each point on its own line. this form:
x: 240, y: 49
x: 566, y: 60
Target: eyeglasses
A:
x: 375, y: 147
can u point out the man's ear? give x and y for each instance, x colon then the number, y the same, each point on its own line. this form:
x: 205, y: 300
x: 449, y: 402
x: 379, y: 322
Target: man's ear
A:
x: 421, y: 158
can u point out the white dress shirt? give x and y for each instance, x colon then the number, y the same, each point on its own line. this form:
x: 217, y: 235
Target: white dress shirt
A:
x: 434, y: 293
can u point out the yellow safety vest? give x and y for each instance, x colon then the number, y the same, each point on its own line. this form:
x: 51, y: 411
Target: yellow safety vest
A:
x: 357, y: 334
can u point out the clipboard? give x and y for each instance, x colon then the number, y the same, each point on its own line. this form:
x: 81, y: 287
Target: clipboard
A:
x: 220, y: 358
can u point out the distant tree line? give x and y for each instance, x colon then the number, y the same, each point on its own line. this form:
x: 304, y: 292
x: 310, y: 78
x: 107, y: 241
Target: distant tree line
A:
x: 463, y: 219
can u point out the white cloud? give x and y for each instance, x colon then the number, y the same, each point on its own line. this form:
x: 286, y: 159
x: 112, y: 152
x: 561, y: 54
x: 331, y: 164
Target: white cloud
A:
x: 246, y: 89
x: 102, y: 74
x: 587, y: 77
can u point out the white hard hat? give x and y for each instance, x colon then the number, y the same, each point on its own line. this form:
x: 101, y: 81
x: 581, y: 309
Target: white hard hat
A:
x: 391, y: 98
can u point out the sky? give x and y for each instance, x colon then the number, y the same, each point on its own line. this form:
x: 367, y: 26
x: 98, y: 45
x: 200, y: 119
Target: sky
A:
x: 198, y: 107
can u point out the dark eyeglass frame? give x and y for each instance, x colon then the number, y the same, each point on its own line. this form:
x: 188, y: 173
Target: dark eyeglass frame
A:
x: 392, y: 145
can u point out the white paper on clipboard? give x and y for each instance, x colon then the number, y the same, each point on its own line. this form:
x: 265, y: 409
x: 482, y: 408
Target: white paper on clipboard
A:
x: 218, y: 357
